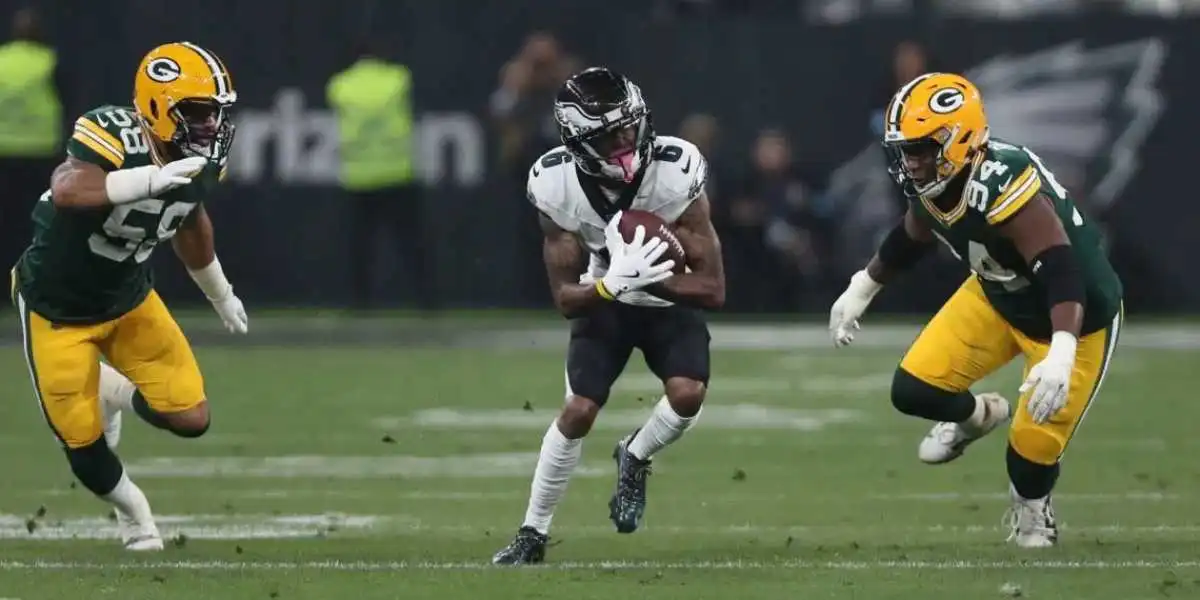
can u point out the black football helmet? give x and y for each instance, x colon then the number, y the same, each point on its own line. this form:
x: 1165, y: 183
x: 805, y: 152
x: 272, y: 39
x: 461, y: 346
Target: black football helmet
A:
x: 604, y: 123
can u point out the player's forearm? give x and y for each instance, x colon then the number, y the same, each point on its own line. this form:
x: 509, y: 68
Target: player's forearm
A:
x: 1067, y: 317
x: 73, y: 187
x: 193, y: 243
x: 1058, y: 270
x: 879, y: 271
x: 194, y: 251
x: 575, y: 299
x: 899, y: 252
x: 692, y: 289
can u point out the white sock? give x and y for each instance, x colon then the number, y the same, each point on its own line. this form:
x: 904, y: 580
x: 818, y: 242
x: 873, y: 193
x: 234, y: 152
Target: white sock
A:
x: 129, y: 499
x: 556, y: 462
x: 115, y: 389
x: 660, y: 431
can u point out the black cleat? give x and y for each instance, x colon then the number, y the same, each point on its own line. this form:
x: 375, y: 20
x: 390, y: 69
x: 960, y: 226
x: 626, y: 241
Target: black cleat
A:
x: 629, y: 501
x: 528, y: 548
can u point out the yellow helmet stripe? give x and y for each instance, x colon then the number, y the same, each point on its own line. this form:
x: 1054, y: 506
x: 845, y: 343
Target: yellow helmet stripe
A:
x: 220, y: 76
x: 898, y: 101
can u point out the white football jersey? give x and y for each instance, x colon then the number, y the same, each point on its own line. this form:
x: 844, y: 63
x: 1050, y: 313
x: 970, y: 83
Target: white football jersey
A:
x: 672, y: 180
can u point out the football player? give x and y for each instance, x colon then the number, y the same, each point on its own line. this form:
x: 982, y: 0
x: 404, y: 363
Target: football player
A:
x: 628, y: 298
x: 1042, y: 288
x: 133, y: 177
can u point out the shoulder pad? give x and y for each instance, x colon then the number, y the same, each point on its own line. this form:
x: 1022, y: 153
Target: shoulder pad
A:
x: 682, y: 167
x: 680, y: 173
x: 1003, y: 182
x: 104, y: 135
x: 547, y: 187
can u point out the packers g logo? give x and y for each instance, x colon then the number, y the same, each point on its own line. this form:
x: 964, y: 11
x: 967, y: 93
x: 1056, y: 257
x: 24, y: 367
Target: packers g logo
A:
x: 946, y: 100
x: 163, y: 70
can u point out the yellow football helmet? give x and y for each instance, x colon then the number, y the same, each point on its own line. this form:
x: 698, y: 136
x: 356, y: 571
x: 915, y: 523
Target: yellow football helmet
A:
x: 932, y: 129
x: 183, y: 94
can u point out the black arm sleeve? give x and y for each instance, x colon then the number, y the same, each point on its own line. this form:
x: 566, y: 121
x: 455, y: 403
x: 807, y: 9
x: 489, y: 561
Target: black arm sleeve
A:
x: 1058, y: 270
x: 899, y: 251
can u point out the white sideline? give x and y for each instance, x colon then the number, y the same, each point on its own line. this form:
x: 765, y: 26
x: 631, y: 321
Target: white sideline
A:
x: 335, y: 565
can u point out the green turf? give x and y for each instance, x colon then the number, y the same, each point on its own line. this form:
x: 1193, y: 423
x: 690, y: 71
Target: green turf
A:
x: 390, y: 473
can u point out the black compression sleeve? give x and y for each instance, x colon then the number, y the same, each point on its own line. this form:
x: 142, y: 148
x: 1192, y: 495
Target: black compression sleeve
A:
x: 899, y: 251
x: 1058, y: 269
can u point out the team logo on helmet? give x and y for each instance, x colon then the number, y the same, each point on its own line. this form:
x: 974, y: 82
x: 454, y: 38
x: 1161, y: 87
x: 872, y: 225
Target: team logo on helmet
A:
x: 163, y: 70
x: 946, y: 100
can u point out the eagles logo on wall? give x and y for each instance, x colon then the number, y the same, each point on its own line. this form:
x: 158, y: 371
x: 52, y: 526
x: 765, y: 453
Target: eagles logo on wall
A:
x: 1085, y: 111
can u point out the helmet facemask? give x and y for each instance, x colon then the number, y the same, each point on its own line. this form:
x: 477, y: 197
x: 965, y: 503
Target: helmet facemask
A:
x: 921, y: 166
x: 616, y: 151
x: 203, y: 128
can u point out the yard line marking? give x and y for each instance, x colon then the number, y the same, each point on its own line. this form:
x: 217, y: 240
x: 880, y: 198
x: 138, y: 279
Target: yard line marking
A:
x: 237, y: 493
x: 292, y: 526
x: 496, y: 465
x: 335, y: 565
x: 1067, y: 496
x: 744, y: 417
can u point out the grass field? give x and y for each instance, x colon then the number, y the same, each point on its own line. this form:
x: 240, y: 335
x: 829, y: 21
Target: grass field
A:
x: 372, y: 472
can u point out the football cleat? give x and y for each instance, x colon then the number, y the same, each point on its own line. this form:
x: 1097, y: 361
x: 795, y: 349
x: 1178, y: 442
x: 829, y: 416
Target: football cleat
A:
x: 1031, y: 522
x: 947, y: 441
x: 138, y: 537
x: 628, y: 502
x: 527, y: 548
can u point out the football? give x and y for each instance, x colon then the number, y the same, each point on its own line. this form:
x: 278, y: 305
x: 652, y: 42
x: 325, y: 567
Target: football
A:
x: 655, y: 227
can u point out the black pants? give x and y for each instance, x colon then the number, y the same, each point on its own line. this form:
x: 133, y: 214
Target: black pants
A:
x: 397, y: 212
x: 22, y: 182
x: 673, y: 340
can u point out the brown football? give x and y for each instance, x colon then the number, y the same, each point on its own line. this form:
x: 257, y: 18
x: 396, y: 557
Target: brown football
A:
x: 655, y: 227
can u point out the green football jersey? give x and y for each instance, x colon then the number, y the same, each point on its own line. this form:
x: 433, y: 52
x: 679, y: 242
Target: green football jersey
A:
x: 1002, y: 181
x: 91, y: 265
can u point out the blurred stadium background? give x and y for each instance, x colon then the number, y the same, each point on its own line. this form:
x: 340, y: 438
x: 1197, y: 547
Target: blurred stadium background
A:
x: 375, y: 433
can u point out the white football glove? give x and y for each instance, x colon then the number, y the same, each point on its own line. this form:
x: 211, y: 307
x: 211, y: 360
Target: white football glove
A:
x: 175, y: 174
x: 635, y: 265
x: 139, y: 183
x: 613, y: 240
x: 1050, y: 380
x: 232, y: 313
x: 850, y: 306
x: 211, y: 280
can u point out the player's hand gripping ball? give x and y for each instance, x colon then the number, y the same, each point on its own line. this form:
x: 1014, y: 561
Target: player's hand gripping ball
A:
x: 655, y: 228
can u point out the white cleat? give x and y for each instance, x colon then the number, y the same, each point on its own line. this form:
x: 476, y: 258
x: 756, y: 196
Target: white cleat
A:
x: 1031, y: 522
x: 138, y: 537
x: 947, y: 441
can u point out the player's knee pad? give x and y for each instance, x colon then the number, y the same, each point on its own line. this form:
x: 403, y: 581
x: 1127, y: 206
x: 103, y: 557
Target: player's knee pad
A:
x: 95, y: 466
x: 686, y: 396
x: 916, y: 397
x: 913, y: 396
x: 1036, y: 443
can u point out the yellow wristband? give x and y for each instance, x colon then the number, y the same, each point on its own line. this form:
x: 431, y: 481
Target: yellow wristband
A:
x: 603, y: 291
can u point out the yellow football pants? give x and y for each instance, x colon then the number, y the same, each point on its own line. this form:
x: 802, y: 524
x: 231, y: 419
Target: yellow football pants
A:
x: 967, y: 340
x: 145, y: 344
